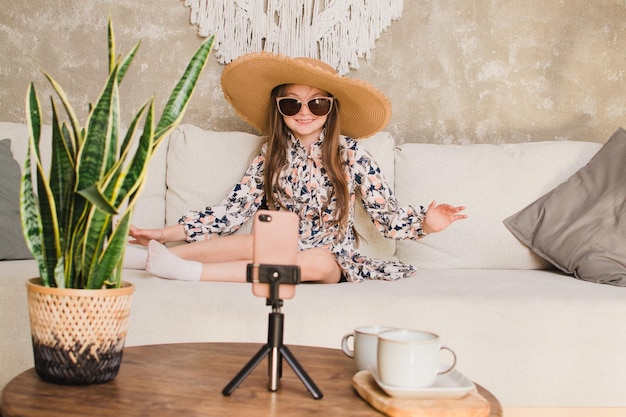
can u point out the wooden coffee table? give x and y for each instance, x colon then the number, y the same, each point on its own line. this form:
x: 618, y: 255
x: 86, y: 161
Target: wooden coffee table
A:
x: 187, y: 380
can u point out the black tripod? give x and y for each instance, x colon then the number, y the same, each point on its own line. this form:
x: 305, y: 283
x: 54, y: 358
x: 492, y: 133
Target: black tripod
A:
x: 274, y: 348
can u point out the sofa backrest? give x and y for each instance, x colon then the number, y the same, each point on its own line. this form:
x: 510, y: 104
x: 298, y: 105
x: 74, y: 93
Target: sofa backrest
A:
x: 194, y: 168
x: 493, y: 182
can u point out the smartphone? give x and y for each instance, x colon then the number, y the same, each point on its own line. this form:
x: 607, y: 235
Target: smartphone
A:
x: 275, y: 236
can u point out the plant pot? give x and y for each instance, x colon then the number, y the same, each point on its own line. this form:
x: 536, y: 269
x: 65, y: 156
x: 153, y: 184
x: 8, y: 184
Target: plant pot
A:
x: 78, y: 335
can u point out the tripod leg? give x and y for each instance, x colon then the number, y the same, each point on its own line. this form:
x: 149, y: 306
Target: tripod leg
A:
x: 246, y: 370
x: 275, y: 341
x: 299, y: 370
x: 275, y: 368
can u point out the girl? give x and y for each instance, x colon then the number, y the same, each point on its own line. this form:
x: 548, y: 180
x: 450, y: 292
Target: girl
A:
x: 307, y: 166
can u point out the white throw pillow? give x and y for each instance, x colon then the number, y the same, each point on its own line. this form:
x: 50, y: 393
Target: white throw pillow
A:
x: 203, y: 166
x: 493, y: 182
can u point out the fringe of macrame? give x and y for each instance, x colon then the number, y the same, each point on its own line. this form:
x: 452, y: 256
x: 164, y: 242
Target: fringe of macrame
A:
x: 338, y: 32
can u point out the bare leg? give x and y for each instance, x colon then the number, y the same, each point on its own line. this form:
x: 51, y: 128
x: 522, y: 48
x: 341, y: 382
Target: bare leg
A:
x: 316, y: 265
x: 219, y: 249
x: 233, y: 271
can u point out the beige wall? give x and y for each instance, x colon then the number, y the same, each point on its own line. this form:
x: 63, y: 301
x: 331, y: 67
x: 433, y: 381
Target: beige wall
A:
x: 456, y: 71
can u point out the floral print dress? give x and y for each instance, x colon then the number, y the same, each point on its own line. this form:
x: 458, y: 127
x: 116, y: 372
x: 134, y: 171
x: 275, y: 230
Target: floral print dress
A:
x: 305, y: 189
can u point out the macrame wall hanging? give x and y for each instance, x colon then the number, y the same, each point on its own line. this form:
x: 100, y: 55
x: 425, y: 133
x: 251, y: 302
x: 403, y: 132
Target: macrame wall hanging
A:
x: 338, y: 32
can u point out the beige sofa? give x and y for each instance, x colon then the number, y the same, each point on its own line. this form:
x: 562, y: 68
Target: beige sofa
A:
x: 530, y: 334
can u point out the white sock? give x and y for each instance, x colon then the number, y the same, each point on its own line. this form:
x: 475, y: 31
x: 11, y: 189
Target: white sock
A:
x: 135, y: 257
x: 163, y: 263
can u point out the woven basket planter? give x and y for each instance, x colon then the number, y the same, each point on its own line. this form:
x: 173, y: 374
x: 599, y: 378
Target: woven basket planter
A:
x: 78, y: 335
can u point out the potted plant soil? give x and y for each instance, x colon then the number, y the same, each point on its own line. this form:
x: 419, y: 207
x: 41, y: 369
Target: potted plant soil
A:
x: 76, y: 219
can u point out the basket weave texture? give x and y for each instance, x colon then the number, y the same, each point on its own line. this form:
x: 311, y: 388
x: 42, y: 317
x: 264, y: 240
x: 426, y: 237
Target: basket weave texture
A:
x: 65, y: 318
x: 78, y: 335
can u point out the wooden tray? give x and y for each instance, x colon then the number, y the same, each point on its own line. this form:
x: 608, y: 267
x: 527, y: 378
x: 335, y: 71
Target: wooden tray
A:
x: 471, y: 405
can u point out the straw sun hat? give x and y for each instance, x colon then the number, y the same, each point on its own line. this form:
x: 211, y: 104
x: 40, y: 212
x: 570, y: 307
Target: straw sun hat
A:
x: 248, y: 81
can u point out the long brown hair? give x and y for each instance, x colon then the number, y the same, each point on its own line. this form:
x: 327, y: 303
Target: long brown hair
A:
x: 332, y: 158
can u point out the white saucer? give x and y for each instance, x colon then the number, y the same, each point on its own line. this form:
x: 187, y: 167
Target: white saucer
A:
x: 451, y: 385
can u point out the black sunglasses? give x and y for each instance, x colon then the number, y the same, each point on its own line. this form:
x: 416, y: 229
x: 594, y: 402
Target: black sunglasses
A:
x: 319, y: 106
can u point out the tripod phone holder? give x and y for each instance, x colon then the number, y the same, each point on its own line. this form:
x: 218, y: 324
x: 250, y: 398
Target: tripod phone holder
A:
x: 274, y: 349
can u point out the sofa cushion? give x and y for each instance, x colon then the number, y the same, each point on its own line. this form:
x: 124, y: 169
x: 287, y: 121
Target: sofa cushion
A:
x: 492, y: 181
x: 12, y: 244
x: 203, y: 166
x: 580, y: 225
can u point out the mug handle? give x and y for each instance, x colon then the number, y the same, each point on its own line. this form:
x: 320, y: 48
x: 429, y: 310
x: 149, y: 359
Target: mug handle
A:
x: 344, y: 345
x: 451, y: 367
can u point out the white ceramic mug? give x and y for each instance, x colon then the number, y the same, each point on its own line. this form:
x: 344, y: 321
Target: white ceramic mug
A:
x: 410, y: 358
x: 365, y: 342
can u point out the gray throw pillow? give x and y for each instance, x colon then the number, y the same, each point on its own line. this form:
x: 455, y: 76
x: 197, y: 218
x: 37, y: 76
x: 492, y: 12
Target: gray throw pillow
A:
x: 12, y: 244
x: 580, y: 226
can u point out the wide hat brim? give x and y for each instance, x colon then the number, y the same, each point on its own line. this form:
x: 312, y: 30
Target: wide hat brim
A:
x: 248, y: 81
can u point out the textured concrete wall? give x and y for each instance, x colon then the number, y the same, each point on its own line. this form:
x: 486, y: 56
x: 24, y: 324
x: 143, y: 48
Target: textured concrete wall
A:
x: 481, y: 71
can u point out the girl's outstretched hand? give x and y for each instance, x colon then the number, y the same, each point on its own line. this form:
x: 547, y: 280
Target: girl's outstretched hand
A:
x: 144, y: 236
x: 440, y: 216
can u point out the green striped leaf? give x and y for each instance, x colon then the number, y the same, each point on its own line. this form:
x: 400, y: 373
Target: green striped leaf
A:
x: 78, y: 130
x: 100, y: 143
x: 177, y: 103
x: 30, y: 218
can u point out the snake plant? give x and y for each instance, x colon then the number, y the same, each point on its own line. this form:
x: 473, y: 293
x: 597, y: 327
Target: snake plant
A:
x: 76, y: 219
